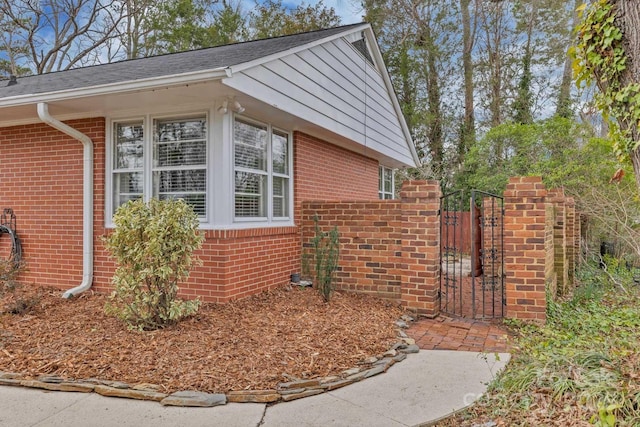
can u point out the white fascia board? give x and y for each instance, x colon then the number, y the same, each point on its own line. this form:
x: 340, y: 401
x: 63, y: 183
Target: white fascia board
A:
x: 112, y: 88
x: 375, y: 49
x: 61, y: 117
x: 262, y: 60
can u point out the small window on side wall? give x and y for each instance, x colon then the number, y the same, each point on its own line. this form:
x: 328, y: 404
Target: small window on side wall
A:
x: 386, y: 183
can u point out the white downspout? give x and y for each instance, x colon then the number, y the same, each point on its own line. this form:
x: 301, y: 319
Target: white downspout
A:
x: 87, y: 197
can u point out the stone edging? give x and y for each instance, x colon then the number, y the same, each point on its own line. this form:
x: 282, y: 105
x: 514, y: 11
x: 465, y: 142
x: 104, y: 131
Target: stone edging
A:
x: 286, y: 391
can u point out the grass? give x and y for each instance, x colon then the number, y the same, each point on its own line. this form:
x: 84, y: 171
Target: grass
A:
x: 583, y: 366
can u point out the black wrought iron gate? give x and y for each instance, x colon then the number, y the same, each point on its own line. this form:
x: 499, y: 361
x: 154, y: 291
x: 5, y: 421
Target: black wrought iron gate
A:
x: 471, y: 254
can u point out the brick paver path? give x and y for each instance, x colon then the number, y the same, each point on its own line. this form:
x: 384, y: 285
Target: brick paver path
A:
x: 447, y: 333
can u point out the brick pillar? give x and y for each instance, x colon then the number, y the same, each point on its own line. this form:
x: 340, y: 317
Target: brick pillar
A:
x: 571, y: 242
x: 491, y: 242
x: 420, y: 247
x: 550, y: 276
x: 524, y: 246
x: 581, y: 222
x: 557, y: 198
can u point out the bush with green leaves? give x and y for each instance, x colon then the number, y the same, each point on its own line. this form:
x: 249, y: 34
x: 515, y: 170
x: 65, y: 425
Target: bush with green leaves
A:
x: 325, y: 253
x: 580, y: 367
x: 153, y: 244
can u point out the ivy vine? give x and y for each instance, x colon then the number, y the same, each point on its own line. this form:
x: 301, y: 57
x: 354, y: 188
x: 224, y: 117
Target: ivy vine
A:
x: 599, y: 57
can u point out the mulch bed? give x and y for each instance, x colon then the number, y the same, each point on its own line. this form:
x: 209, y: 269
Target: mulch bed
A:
x: 250, y: 344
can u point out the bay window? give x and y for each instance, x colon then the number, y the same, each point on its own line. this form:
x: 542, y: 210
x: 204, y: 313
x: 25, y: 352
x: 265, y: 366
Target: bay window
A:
x: 234, y: 171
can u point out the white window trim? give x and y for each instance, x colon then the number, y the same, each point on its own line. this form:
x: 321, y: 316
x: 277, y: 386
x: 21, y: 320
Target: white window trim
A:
x: 220, y: 168
x: 269, y: 219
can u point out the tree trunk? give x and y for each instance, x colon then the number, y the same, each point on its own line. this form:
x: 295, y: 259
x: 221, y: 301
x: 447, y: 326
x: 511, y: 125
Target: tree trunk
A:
x: 563, y: 108
x: 468, y: 134
x: 434, y: 121
x: 628, y: 20
x: 635, y: 161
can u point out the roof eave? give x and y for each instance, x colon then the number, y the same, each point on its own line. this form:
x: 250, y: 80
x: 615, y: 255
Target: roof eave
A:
x: 113, y: 88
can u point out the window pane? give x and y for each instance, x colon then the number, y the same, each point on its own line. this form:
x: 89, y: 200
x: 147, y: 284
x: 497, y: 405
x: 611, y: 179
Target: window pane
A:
x: 388, y: 180
x: 128, y: 182
x: 280, y: 197
x: 380, y: 179
x: 128, y: 146
x: 250, y: 195
x: 250, y: 146
x: 180, y: 181
x: 180, y: 129
x: 178, y: 144
x: 180, y: 153
x: 126, y: 186
x: 280, y: 155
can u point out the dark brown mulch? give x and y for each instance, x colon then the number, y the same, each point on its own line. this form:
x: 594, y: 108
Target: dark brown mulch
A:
x: 249, y: 344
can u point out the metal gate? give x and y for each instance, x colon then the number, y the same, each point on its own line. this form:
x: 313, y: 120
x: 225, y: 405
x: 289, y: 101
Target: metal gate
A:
x: 471, y: 255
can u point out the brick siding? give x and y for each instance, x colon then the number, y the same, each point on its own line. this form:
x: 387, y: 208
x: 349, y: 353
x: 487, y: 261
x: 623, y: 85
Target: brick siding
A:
x: 541, y: 238
x: 524, y: 247
x: 389, y: 248
x: 370, y: 243
x: 41, y: 179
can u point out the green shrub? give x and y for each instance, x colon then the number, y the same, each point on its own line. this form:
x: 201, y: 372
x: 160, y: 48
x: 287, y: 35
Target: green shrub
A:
x: 325, y: 255
x: 153, y: 245
x: 15, y: 298
x: 9, y: 272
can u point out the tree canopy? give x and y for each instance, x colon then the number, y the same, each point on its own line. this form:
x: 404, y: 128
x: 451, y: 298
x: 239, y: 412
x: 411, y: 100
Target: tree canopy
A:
x: 53, y: 35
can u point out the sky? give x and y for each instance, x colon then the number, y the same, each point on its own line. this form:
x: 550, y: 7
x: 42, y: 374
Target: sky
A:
x: 350, y: 11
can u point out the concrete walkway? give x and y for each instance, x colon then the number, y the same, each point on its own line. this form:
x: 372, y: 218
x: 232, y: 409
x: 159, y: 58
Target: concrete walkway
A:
x: 421, y: 389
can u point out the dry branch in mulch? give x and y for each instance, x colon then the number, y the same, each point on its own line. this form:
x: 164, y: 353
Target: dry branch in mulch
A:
x: 248, y: 344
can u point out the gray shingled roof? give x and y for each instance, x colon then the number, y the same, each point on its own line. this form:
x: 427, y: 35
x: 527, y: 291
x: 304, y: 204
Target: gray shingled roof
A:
x: 162, y: 65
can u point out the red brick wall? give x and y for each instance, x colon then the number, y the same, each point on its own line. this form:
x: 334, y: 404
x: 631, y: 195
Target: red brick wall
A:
x: 571, y: 239
x: 390, y: 248
x: 41, y: 178
x: 557, y: 197
x: 327, y: 172
x: 370, y: 243
x: 550, y: 275
x: 524, y: 248
x: 421, y: 246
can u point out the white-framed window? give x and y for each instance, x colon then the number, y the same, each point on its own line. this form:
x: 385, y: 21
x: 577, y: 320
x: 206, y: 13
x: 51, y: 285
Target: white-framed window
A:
x: 236, y: 171
x: 262, y: 171
x: 161, y: 157
x: 386, y: 182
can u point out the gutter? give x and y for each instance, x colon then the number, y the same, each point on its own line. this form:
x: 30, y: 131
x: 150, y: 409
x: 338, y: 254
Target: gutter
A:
x: 132, y: 86
x: 87, y: 197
